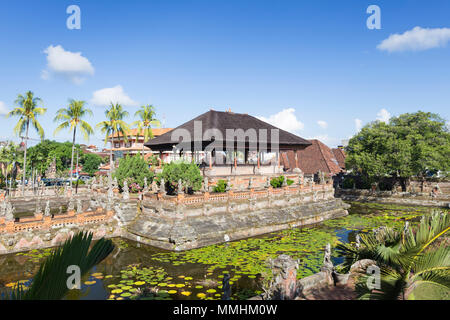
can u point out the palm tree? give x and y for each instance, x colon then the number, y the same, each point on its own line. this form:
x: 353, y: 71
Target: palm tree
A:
x: 50, y: 282
x: 28, y: 111
x: 71, y: 117
x: 146, y: 119
x: 411, y: 261
x: 10, y: 158
x: 114, y: 125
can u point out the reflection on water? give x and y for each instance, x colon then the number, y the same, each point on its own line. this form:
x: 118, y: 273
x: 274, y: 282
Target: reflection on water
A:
x: 134, y: 268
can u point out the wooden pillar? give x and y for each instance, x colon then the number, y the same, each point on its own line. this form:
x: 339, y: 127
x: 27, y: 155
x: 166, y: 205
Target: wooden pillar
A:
x: 210, y: 160
x: 257, y: 155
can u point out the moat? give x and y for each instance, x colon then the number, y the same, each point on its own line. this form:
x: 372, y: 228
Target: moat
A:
x: 198, y: 273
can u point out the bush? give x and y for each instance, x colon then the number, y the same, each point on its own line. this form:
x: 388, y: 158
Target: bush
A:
x: 221, y: 186
x: 348, y: 183
x: 91, y: 162
x: 189, y: 173
x: 278, y: 182
x: 135, y: 170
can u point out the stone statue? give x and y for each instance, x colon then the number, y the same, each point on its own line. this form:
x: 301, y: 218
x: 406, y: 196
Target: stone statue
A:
x: 9, y: 212
x: 162, y: 186
x: 126, y: 194
x: 226, y: 287
x: 300, y: 178
x: 205, y: 184
x: 79, y: 206
x: 115, y: 184
x: 284, y: 183
x: 228, y: 187
x: 284, y: 283
x: 71, y: 206
x: 250, y: 183
x: 358, y: 241
x: 154, y: 186
x: 3, y: 208
x: 145, y: 190
x: 47, y: 209
x: 180, y: 187
x: 267, y: 185
x: 327, y: 264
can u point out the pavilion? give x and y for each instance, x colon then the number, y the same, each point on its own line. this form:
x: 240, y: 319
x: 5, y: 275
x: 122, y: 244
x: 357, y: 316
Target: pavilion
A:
x: 228, y: 143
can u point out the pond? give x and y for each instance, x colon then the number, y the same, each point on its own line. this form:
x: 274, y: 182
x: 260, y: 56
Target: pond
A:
x: 198, y: 273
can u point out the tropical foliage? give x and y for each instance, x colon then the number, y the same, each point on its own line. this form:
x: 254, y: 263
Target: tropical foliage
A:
x: 278, y: 182
x: 72, y: 118
x: 114, y: 126
x: 135, y: 170
x: 27, y: 111
x: 221, y: 186
x: 50, y: 282
x: 413, y: 144
x: 188, y: 173
x: 11, y: 158
x: 146, y: 115
x: 411, y: 260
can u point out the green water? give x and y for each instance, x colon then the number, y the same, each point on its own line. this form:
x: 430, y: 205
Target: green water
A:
x: 198, y: 273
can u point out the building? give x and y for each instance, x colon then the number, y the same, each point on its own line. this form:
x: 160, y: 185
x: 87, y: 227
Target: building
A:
x: 317, y: 157
x: 340, y: 155
x: 134, y: 144
x: 228, y: 143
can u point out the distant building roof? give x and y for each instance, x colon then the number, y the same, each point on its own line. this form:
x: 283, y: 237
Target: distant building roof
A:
x: 221, y: 121
x: 133, y: 132
x: 318, y: 157
x: 340, y: 155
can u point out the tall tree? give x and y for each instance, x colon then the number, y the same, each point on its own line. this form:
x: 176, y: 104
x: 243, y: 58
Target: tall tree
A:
x: 144, y: 125
x: 114, y: 125
x: 410, y: 145
x: 27, y: 111
x: 71, y: 117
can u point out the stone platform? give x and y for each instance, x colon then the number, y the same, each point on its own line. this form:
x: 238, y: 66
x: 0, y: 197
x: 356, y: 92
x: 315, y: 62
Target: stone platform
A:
x: 187, y: 222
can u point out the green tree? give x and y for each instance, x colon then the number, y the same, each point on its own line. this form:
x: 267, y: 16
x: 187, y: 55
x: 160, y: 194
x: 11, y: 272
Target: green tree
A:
x: 72, y: 118
x: 27, y: 111
x: 114, y: 125
x: 413, y: 262
x: 413, y: 144
x: 188, y: 173
x: 146, y: 120
x: 134, y: 169
x: 11, y: 157
x: 91, y: 162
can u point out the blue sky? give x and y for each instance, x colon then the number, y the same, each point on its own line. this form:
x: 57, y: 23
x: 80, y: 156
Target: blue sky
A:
x: 312, y: 67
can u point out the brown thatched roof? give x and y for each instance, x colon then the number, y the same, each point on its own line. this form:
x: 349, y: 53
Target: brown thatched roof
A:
x: 318, y: 157
x: 222, y: 121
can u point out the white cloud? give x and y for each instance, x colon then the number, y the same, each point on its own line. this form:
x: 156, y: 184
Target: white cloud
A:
x: 3, y: 109
x: 106, y: 96
x: 358, y: 124
x: 70, y: 65
x: 448, y: 125
x: 416, y: 39
x: 383, y: 115
x: 322, y: 124
x: 285, y: 119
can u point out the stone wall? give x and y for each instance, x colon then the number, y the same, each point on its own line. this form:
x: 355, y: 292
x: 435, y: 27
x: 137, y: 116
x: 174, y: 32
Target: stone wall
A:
x: 393, y: 197
x: 187, y: 222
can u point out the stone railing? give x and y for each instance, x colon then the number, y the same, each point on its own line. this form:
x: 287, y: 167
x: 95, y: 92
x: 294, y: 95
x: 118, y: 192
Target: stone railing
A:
x: 207, y: 197
x: 41, y: 222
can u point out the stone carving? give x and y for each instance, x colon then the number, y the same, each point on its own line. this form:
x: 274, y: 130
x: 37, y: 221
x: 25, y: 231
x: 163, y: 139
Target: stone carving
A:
x: 9, y: 216
x: 205, y: 184
x: 115, y: 184
x: 284, y: 283
x: 267, y: 185
x: 327, y: 264
x: 79, y: 206
x: 300, y: 178
x: 47, y: 209
x: 51, y: 171
x: 284, y: 183
x: 162, y: 186
x: 126, y: 193
x: 228, y: 187
x: 250, y: 183
x: 145, y: 190
x: 71, y: 205
x: 3, y: 208
x: 180, y: 187
x: 154, y: 186
x: 358, y: 241
x: 226, y: 287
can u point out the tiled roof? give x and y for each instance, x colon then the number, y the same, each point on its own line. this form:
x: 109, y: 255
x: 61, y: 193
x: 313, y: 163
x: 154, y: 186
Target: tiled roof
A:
x: 133, y: 132
x: 317, y: 157
x: 340, y: 156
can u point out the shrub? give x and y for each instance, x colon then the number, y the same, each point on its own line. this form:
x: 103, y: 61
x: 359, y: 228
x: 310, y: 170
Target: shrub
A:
x: 221, y: 186
x: 278, y: 182
x: 189, y: 173
x: 134, y: 169
x: 348, y: 183
x: 289, y: 182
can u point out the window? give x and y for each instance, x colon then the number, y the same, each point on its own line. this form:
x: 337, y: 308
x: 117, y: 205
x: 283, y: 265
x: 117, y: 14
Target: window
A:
x: 116, y: 145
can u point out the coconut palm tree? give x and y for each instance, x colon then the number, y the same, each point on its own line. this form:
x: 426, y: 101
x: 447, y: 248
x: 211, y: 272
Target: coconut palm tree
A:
x: 28, y: 111
x: 50, y: 282
x: 146, y: 120
x: 114, y: 125
x: 411, y: 261
x: 71, y: 118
